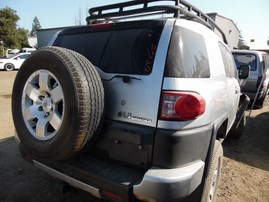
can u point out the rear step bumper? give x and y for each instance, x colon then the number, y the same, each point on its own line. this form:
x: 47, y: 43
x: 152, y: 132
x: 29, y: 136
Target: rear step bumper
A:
x: 103, y: 179
x: 73, y: 182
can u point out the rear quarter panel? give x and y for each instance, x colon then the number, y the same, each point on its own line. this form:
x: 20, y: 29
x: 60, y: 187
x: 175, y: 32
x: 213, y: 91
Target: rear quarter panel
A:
x: 214, y: 89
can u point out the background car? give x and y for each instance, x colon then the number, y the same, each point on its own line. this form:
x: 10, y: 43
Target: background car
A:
x: 13, y: 62
x: 257, y: 84
x: 27, y: 50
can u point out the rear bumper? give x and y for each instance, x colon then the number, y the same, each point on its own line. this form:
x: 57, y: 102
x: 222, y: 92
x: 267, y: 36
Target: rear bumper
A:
x: 179, y: 165
x: 73, y: 182
x: 169, y: 184
x: 179, y: 179
x: 156, y: 185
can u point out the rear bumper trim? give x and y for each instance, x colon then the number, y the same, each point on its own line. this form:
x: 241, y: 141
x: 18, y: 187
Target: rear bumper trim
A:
x: 73, y: 182
x: 169, y: 184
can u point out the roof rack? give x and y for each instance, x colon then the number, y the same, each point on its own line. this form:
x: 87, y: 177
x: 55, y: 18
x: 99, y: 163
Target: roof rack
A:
x: 141, y: 8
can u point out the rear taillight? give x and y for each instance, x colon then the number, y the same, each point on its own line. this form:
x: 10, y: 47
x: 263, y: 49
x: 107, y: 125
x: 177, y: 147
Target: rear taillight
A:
x: 181, y: 105
x: 259, y: 80
x: 101, y: 25
x: 111, y: 196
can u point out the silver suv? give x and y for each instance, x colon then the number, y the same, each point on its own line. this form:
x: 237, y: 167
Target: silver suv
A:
x: 132, y: 110
x: 257, y: 84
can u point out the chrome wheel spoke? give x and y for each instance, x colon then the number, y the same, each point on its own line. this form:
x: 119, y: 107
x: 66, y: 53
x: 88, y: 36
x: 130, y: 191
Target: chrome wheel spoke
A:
x: 43, y: 81
x: 57, y: 94
x: 56, y: 121
x: 31, y: 113
x: 32, y: 92
x: 41, y: 128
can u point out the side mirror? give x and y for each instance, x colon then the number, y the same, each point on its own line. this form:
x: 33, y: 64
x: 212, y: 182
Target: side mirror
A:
x: 243, y: 71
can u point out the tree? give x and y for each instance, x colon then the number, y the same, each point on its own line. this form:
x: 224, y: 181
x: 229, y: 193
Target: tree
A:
x: 8, y: 28
x: 35, y: 26
x: 10, y: 35
x: 22, y: 37
x: 242, y: 43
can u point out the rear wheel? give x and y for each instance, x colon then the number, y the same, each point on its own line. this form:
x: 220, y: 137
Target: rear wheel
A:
x: 57, y: 103
x: 9, y: 67
x: 260, y: 103
x: 212, y: 181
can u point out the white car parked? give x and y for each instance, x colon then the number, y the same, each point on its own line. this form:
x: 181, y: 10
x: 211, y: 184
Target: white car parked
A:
x: 13, y: 62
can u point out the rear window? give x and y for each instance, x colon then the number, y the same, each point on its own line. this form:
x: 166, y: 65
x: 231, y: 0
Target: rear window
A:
x: 245, y: 59
x: 126, y: 51
x: 187, y: 55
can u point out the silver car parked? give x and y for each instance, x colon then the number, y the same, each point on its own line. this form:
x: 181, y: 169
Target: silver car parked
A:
x: 258, y: 80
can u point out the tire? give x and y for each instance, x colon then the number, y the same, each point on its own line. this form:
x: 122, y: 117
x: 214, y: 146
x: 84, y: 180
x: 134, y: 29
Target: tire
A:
x: 57, y: 103
x: 260, y: 103
x: 237, y: 129
x: 212, y: 181
x: 9, y: 67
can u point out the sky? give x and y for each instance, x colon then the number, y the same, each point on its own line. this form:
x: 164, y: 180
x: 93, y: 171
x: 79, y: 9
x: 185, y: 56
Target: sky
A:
x: 251, y: 17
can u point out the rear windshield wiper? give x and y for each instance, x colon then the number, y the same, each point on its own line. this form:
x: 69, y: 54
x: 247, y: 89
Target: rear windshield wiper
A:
x: 125, y: 79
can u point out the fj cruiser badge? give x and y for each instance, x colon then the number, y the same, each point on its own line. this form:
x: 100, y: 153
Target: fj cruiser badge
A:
x: 128, y: 115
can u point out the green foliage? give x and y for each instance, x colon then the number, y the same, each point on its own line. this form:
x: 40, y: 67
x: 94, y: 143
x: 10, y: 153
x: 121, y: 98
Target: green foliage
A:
x: 22, y: 37
x: 242, y: 43
x: 11, y: 36
x: 35, y: 26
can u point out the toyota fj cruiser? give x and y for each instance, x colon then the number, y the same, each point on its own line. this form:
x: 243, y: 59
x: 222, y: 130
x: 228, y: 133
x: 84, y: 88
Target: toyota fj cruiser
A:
x: 131, y: 108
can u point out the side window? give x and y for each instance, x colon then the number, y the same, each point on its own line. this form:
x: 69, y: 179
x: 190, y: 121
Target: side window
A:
x: 228, y: 62
x: 187, y: 56
x: 24, y: 56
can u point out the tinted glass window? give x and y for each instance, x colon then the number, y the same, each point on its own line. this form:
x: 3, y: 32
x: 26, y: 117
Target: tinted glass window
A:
x: 228, y: 62
x: 24, y: 56
x: 127, y: 51
x: 245, y: 59
x: 187, y: 55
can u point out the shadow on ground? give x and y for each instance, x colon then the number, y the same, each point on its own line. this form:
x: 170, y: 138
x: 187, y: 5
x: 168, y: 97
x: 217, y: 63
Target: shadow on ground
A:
x: 253, y: 147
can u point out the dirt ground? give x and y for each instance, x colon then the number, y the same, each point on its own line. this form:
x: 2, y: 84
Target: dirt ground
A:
x: 245, y: 172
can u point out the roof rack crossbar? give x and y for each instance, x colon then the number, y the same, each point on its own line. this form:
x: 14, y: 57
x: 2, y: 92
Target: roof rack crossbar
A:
x: 135, y: 12
x: 140, y: 8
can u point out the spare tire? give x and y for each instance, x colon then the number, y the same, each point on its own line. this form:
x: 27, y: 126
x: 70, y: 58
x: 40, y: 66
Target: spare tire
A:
x: 57, y: 103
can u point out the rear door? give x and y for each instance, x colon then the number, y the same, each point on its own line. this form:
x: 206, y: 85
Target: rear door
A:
x: 130, y: 58
x: 232, y: 83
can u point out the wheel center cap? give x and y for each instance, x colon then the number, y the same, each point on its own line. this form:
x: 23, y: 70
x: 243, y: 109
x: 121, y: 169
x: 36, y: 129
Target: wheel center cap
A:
x: 47, y: 104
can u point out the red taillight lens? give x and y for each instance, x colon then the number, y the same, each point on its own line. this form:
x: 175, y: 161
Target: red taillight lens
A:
x: 102, y: 25
x: 110, y: 195
x: 181, y: 106
x: 259, y: 80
